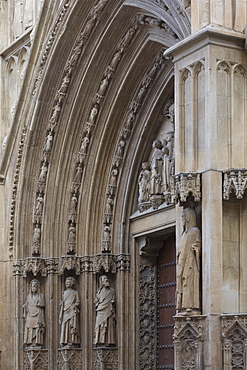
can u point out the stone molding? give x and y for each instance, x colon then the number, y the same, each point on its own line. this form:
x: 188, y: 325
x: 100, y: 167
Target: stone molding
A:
x: 188, y: 342
x: 69, y: 358
x: 185, y: 184
x: 36, y: 359
x: 234, y: 338
x: 234, y: 181
x: 80, y: 264
x: 105, y: 358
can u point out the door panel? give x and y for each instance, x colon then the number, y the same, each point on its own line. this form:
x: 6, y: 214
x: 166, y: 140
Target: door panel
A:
x: 166, y: 284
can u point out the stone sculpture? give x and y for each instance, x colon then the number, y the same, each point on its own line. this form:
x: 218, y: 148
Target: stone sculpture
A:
x: 69, y: 315
x: 34, y: 314
x: 144, y: 183
x: 156, y: 163
x: 168, y: 161
x: 105, y: 326
x: 188, y: 268
x: 36, y: 239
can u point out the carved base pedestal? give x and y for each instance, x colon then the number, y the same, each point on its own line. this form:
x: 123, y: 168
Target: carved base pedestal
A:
x: 36, y: 359
x: 70, y: 359
x: 105, y: 358
x: 188, y: 342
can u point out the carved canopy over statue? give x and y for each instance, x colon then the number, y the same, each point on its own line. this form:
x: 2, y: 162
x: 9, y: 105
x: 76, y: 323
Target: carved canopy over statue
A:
x: 104, y: 333
x: 69, y: 315
x: 188, y: 268
x: 34, y: 315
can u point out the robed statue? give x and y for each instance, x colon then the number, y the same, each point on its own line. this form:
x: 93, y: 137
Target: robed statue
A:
x: 189, y: 262
x: 34, y: 314
x: 105, y: 326
x: 69, y: 315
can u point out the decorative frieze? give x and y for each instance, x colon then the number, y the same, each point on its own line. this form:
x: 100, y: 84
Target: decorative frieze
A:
x: 36, y: 359
x: 80, y: 264
x: 188, y: 342
x: 185, y: 184
x: 235, y: 181
x: 105, y: 358
x: 70, y: 359
x: 234, y: 337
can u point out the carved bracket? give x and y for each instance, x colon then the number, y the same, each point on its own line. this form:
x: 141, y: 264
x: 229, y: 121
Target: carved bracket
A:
x: 185, y: 184
x: 57, y: 265
x: 149, y: 248
x: 234, y: 337
x: 188, y: 342
x: 36, y: 359
x: 235, y: 180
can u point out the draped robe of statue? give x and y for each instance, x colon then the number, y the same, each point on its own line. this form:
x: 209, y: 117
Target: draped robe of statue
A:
x: 188, y: 269
x: 105, y: 317
x: 69, y: 318
x: 35, y: 320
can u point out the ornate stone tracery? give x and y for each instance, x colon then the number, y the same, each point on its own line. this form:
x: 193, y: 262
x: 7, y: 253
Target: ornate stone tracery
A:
x: 235, y: 181
x: 234, y: 337
x: 184, y: 184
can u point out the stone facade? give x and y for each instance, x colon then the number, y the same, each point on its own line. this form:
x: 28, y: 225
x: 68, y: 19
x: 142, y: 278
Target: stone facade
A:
x: 123, y: 180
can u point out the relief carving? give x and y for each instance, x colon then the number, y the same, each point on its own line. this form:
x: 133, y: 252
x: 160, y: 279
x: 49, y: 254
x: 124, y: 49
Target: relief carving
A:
x: 36, y: 359
x: 234, y: 337
x: 69, y: 315
x: 105, y: 325
x: 188, y: 266
x: 105, y: 358
x: 188, y: 342
x: 36, y: 240
x: 33, y: 312
x: 144, y: 183
x: 69, y: 358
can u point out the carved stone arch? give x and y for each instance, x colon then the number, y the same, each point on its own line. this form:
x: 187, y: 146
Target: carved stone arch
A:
x: 198, y: 66
x: 239, y: 68
x: 184, y: 74
x: 22, y: 60
x: 224, y: 65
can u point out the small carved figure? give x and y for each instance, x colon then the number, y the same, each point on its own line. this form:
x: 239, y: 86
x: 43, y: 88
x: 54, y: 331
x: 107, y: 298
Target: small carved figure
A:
x: 105, y: 326
x: 73, y: 204
x: 108, y: 210
x: 128, y: 36
x: 117, y: 57
x: 78, y: 174
x: 84, y: 145
x: 144, y: 183
x: 36, y: 239
x: 188, y: 270
x: 48, y: 143
x: 103, y: 86
x: 141, y: 95
x: 69, y: 315
x: 113, y: 178
x: 156, y: 163
x: 130, y: 120
x: 39, y: 205
x: 33, y: 312
x: 72, y: 234
x: 93, y: 114
x: 168, y: 161
x: 54, y: 117
x: 120, y: 149
x: 43, y: 173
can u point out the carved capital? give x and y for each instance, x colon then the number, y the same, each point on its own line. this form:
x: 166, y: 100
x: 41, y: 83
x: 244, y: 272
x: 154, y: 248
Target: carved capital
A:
x: 235, y: 180
x: 35, y: 265
x: 69, y: 263
x: 185, y: 184
x: 149, y: 248
x: 104, y: 261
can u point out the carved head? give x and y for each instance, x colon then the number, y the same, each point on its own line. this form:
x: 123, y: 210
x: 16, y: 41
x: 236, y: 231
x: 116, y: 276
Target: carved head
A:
x: 70, y: 282
x: 103, y: 281
x: 189, y: 218
x: 157, y: 144
x: 35, y: 286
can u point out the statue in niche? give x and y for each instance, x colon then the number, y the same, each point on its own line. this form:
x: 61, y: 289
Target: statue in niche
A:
x: 106, y: 239
x: 168, y: 160
x: 105, y: 326
x: 84, y: 145
x: 36, y: 239
x: 71, y: 240
x: 156, y: 163
x: 33, y: 312
x: 144, y: 183
x: 115, y: 60
x: 108, y: 210
x: 43, y: 173
x: 78, y: 175
x: 69, y: 315
x: 120, y: 149
x: 48, y: 143
x: 103, y: 86
x: 39, y: 207
x: 188, y: 265
x: 93, y: 114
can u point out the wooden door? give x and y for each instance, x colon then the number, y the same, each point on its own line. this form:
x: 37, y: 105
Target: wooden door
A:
x: 166, y: 284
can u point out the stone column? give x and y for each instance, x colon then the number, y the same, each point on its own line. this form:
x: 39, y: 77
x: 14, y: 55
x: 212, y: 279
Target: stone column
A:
x: 210, y: 89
